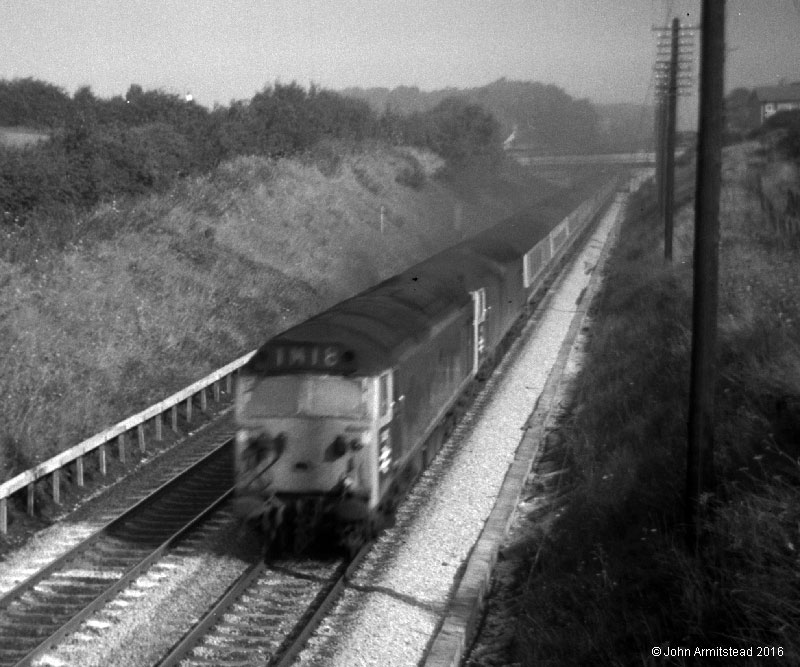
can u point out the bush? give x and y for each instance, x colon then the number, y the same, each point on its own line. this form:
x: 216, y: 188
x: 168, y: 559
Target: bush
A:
x: 412, y: 176
x: 327, y: 156
x: 459, y: 131
x: 33, y: 103
x: 30, y: 178
x: 106, y: 149
x: 788, y: 122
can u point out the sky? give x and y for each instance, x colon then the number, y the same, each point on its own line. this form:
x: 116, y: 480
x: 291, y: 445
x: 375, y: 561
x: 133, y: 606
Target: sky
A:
x: 222, y: 50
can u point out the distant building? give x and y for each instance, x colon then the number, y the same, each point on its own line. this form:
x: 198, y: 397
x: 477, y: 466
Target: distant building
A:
x: 773, y: 99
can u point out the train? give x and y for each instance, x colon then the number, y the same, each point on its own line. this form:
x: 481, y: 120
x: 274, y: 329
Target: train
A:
x: 338, y: 415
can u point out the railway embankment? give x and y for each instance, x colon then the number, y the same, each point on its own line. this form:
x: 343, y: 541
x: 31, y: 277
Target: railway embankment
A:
x: 114, y: 310
x: 598, y: 574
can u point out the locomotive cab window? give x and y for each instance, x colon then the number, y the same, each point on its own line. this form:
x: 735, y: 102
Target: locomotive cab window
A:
x: 481, y: 304
x: 397, y: 396
x: 304, y: 395
x: 383, y: 394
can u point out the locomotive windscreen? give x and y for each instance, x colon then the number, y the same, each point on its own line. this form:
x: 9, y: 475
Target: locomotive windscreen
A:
x: 302, y: 395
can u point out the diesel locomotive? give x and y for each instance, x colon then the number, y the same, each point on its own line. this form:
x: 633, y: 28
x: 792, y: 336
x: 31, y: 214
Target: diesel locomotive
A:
x: 339, y: 414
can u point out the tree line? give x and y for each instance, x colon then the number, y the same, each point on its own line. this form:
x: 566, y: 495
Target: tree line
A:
x: 142, y: 141
x: 542, y: 116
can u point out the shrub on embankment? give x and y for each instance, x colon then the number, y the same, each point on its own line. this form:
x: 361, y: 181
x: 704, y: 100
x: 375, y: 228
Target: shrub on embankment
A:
x: 611, y: 580
x: 107, y: 312
x: 97, y: 150
x: 774, y: 174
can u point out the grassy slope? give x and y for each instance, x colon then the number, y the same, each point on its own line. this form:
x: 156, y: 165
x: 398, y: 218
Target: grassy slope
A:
x: 104, y: 314
x: 612, y: 580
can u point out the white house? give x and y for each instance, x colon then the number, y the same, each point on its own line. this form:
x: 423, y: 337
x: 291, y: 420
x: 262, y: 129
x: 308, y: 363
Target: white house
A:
x: 772, y: 99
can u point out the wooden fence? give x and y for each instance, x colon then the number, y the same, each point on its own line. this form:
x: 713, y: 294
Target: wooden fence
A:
x: 132, y: 427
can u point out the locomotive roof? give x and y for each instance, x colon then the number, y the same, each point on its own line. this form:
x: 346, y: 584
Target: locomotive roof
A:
x: 511, y: 238
x: 468, y: 266
x: 370, y: 331
x: 373, y: 328
x: 494, y: 249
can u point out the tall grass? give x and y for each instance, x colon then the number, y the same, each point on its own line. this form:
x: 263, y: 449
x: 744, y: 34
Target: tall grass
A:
x: 106, y: 313
x: 612, y: 580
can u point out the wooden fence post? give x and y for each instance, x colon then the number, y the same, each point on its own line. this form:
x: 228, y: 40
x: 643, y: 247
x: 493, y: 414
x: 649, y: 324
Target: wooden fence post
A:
x: 31, y: 499
x: 57, y: 487
x: 102, y: 452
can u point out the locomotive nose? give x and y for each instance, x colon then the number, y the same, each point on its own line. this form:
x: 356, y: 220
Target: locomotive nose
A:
x: 317, y: 455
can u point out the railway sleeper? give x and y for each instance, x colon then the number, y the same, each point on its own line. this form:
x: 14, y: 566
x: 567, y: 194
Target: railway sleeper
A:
x: 39, y: 619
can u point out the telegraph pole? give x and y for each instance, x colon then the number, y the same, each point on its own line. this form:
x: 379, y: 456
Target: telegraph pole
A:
x: 700, y: 452
x: 669, y: 144
x: 673, y: 75
x: 659, y: 131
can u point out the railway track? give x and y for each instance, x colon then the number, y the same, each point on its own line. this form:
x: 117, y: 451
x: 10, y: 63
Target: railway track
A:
x: 266, y: 615
x: 53, y: 602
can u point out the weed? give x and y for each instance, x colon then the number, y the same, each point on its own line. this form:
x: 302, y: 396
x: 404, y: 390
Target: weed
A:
x: 413, y: 175
x: 613, y: 580
x: 363, y: 177
x: 327, y: 156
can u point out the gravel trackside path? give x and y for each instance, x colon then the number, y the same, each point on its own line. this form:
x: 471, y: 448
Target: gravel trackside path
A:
x: 396, y: 601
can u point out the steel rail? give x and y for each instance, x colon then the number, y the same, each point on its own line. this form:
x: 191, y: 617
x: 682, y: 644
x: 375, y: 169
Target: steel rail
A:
x: 123, y: 581
x: 117, y: 525
x: 186, y: 643
x: 294, y: 640
x: 84, y: 544
x: 97, y: 442
x: 297, y: 639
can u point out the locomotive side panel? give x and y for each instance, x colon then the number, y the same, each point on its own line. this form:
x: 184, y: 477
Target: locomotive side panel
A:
x: 491, y: 265
x: 536, y: 261
x: 512, y: 296
x: 492, y: 326
x: 429, y: 379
